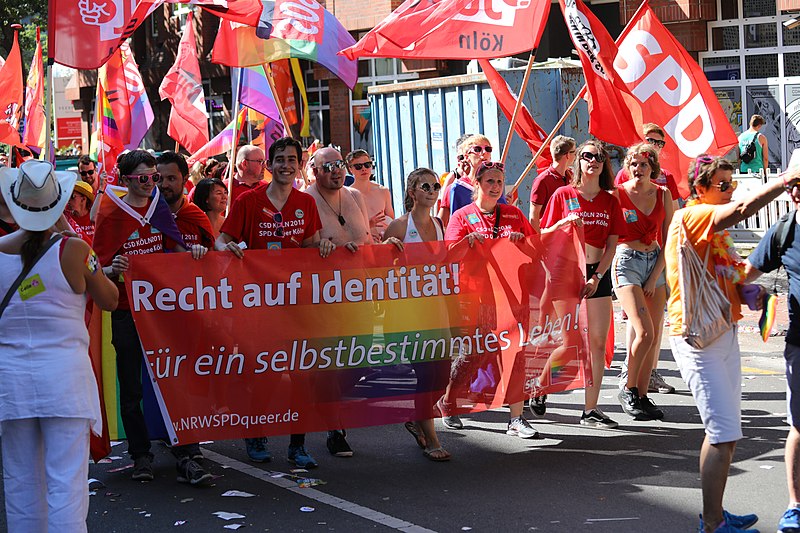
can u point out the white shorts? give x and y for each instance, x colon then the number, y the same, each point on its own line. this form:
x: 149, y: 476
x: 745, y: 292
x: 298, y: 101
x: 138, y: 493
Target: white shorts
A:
x: 714, y: 376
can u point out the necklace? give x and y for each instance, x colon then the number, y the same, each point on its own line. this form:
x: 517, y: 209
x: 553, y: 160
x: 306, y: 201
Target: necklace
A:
x: 342, y: 221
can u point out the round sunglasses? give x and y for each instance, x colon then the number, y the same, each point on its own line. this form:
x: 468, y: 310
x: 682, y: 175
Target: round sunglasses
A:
x: 144, y: 178
x: 428, y: 187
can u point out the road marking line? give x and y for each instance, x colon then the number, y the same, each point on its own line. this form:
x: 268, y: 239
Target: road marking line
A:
x: 316, y: 495
x: 760, y: 371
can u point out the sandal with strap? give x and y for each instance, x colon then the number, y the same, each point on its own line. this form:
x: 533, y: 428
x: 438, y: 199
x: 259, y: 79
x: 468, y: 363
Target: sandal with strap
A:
x: 438, y: 455
x: 413, y: 428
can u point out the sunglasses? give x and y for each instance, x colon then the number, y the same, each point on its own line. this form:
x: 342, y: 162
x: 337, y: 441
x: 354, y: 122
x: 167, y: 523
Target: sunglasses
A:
x: 144, y: 178
x: 87, y: 172
x: 359, y: 166
x: 487, y: 165
x: 589, y: 156
x: 479, y: 149
x: 278, y: 219
x: 428, y: 187
x: 329, y: 167
x: 725, y: 185
x: 656, y: 142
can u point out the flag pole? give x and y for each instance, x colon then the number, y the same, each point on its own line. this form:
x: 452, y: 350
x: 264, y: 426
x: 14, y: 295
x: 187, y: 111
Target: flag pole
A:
x: 235, y: 141
x: 526, y: 78
x: 546, y: 143
x: 268, y: 71
x: 48, y: 106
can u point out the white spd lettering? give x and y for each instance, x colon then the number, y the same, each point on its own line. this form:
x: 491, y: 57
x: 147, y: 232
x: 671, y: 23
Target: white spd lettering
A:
x: 298, y: 12
x: 669, y: 81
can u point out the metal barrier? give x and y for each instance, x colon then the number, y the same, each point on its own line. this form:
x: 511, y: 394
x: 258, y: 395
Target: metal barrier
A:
x: 754, y: 227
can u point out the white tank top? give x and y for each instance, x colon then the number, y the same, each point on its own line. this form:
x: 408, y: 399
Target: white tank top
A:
x: 45, y: 369
x: 412, y: 234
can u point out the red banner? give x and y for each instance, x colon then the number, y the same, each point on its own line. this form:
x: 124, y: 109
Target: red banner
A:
x: 284, y: 341
x: 672, y: 91
x: 11, y: 92
x: 455, y: 29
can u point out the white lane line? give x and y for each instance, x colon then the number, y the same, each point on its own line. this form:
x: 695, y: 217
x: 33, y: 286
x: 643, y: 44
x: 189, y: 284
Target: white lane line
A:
x: 316, y: 495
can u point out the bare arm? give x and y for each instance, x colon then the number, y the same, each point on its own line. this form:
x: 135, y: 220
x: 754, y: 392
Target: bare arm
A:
x: 764, y: 151
x: 388, y: 209
x: 83, y: 273
x: 730, y: 214
x: 535, y: 216
x: 397, y: 228
x: 751, y: 273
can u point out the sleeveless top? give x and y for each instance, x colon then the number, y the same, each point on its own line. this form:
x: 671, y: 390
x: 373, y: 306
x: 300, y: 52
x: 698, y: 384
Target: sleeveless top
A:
x: 757, y: 163
x: 641, y: 227
x: 412, y: 235
x: 45, y: 369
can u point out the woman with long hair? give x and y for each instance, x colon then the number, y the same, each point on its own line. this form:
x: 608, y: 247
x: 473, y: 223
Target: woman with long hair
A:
x: 50, y: 401
x: 588, y: 196
x: 417, y: 225
x: 638, y: 273
x: 714, y: 372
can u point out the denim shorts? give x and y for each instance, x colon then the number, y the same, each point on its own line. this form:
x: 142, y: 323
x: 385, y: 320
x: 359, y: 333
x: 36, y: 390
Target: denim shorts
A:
x: 631, y: 267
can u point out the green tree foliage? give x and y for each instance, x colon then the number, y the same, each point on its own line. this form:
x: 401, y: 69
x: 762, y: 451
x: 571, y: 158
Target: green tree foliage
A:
x: 29, y: 13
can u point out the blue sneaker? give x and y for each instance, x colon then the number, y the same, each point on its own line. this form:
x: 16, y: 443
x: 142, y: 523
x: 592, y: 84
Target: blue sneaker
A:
x: 728, y: 527
x: 257, y: 450
x: 299, y: 457
x: 741, y: 521
x: 790, y: 521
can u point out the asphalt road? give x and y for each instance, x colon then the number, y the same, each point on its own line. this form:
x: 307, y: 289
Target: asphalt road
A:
x: 640, y: 477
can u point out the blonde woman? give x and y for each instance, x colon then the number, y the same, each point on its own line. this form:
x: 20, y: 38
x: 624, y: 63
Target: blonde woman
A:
x: 638, y: 273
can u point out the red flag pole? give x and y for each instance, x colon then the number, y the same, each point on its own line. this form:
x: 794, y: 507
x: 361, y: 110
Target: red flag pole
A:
x: 268, y: 71
x: 526, y: 78
x: 546, y: 143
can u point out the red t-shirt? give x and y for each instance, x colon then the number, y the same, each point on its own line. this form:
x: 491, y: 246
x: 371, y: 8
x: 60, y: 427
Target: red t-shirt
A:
x: 252, y: 220
x: 240, y: 188
x: 83, y: 226
x: 602, y: 216
x: 641, y: 227
x: 546, y: 183
x: 470, y: 219
x: 144, y: 240
x: 187, y: 219
x: 665, y: 179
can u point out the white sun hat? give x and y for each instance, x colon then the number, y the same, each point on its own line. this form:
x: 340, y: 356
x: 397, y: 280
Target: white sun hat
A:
x: 35, y: 193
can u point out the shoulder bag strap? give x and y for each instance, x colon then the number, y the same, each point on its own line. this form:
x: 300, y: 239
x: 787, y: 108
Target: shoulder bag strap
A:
x: 25, y: 271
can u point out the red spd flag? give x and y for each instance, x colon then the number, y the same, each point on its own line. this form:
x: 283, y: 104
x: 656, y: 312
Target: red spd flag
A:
x: 527, y: 128
x: 672, y: 92
x: 11, y: 91
x: 455, y: 29
x: 610, y: 116
x: 183, y: 86
x: 34, y: 132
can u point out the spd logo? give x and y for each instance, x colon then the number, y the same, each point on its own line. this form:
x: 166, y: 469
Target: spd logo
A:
x: 495, y: 12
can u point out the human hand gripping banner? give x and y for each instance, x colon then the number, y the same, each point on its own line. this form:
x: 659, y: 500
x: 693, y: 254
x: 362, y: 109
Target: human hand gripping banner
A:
x: 284, y: 341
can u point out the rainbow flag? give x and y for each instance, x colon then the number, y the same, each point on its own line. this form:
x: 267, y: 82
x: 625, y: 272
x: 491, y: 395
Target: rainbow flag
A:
x: 316, y: 37
x: 106, y: 142
x: 767, y: 320
x: 255, y: 92
x: 222, y: 142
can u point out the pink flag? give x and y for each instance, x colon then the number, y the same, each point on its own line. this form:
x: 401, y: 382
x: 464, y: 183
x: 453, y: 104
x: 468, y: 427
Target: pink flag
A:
x: 183, y: 86
x: 141, y: 113
x: 11, y: 92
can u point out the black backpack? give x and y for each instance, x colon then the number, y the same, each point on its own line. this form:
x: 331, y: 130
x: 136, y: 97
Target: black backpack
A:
x: 749, y: 150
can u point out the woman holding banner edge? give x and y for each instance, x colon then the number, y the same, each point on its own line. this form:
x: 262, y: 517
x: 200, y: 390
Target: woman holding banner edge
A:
x: 589, y: 197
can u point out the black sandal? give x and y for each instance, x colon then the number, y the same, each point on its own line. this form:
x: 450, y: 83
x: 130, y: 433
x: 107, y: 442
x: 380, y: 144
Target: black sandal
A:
x: 413, y: 428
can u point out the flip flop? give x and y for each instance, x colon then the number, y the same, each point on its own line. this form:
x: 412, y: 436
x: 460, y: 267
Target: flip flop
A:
x: 418, y: 436
x: 439, y: 455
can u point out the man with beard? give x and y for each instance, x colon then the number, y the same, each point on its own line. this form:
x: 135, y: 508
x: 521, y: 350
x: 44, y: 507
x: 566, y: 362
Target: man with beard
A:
x: 193, y: 224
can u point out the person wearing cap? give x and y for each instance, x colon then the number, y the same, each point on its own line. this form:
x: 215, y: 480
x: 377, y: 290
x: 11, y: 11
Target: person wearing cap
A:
x: 50, y: 401
x: 77, y: 211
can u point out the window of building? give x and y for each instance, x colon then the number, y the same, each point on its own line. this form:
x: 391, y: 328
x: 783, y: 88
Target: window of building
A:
x: 318, y: 105
x: 725, y: 38
x: 181, y: 12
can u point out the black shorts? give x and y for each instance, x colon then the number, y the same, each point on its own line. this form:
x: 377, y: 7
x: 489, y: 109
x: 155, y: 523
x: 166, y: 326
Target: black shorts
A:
x: 604, y: 288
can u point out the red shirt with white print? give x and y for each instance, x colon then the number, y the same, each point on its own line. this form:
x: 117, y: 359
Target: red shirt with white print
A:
x: 602, y: 215
x: 470, y: 219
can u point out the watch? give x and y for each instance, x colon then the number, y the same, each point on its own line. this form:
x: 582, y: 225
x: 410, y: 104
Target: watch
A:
x: 598, y: 275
